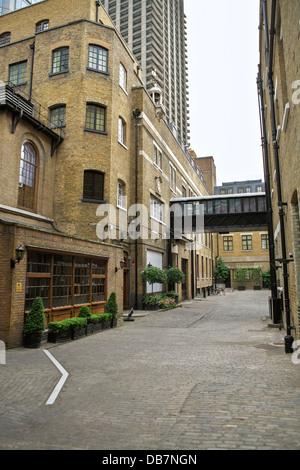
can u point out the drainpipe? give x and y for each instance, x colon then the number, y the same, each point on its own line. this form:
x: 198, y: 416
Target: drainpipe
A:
x: 31, y: 70
x: 269, y: 49
x: 136, y: 113
x: 275, y: 304
x: 97, y: 10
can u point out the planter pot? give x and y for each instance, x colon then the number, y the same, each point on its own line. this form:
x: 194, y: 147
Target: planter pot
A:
x: 241, y: 288
x: 113, y: 322
x: 106, y: 324
x: 79, y: 333
x: 59, y: 337
x: 32, y: 340
x: 150, y: 307
x: 89, y: 329
x: 97, y: 327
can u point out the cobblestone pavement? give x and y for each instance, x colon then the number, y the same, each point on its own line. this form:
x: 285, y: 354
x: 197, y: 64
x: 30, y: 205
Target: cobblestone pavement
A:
x: 208, y: 375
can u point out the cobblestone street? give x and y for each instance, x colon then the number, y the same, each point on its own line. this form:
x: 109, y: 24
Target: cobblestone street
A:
x: 208, y: 375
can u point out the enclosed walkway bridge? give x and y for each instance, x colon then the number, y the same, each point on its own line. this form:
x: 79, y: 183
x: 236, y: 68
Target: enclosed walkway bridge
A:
x: 221, y: 213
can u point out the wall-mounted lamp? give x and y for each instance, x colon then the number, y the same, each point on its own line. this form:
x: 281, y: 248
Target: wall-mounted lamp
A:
x: 122, y: 265
x: 19, y: 256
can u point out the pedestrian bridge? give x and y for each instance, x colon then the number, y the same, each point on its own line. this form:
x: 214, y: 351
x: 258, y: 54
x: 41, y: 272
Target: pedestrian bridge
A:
x: 230, y: 213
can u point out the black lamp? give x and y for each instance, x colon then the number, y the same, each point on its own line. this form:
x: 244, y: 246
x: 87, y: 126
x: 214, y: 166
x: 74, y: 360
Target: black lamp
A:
x: 19, y: 256
x: 122, y: 264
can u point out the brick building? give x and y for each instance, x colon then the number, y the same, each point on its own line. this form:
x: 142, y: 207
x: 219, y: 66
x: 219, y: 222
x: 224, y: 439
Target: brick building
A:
x: 279, y: 106
x: 81, y: 134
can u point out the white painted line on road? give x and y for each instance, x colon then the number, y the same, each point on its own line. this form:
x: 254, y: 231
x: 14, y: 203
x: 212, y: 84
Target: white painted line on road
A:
x: 61, y: 381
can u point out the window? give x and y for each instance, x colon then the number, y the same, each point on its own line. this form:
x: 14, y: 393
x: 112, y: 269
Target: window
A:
x: 259, y: 189
x: 58, y: 116
x: 42, y: 26
x: 157, y: 157
x: 228, y: 243
x: 156, y: 209
x: 64, y: 280
x: 4, y: 38
x: 93, y: 185
x: 121, y: 201
x: 248, y: 190
x: 183, y: 191
x: 246, y: 242
x: 17, y: 73
x: 264, y: 242
x: 60, y: 60
x: 122, y: 131
x: 95, y: 118
x: 27, y: 176
x: 172, y: 178
x: 98, y: 58
x: 123, y: 77
x: 240, y: 190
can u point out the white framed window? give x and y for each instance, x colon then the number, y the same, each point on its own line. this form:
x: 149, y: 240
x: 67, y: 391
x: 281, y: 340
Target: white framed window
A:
x: 122, y: 131
x: 123, y: 77
x: 157, y: 209
x: 121, y: 200
x: 172, y: 178
x: 157, y: 156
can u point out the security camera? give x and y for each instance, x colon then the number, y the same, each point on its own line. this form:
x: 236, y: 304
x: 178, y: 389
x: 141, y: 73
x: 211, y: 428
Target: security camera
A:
x: 291, y: 255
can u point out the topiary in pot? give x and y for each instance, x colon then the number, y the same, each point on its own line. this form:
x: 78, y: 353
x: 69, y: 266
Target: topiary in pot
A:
x: 85, y: 312
x: 111, y: 307
x: 34, y: 325
x: 154, y: 275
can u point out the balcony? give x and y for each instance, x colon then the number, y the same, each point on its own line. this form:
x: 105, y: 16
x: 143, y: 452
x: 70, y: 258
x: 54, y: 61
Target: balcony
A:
x: 14, y: 100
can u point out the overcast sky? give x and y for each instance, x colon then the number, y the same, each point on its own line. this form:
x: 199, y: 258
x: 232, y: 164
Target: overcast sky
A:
x: 222, y: 59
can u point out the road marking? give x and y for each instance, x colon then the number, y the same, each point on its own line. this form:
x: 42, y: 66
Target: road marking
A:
x: 61, y: 381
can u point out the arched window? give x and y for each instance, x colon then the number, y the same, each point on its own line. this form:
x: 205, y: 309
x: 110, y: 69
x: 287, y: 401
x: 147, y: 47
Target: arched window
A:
x: 4, y: 38
x: 98, y: 58
x: 60, y: 60
x: 42, y: 26
x: 28, y: 176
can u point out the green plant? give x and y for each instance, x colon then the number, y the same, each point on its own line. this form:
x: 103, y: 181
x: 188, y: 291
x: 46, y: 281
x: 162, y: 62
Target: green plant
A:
x: 257, y: 275
x: 266, y: 277
x: 175, y: 275
x: 111, y: 305
x: 242, y: 274
x: 154, y: 275
x: 150, y: 299
x: 74, y: 323
x: 35, y: 321
x: 172, y: 294
x: 84, y: 312
x: 221, y: 270
x: 96, y: 318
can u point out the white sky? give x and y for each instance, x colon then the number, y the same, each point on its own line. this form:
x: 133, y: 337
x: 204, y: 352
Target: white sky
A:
x: 222, y: 65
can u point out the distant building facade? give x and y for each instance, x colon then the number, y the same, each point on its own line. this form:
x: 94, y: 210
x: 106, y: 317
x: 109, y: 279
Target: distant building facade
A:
x: 246, y: 253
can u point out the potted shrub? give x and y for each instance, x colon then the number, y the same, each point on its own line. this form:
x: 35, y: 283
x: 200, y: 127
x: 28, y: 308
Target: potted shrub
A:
x: 78, y: 326
x: 241, y: 276
x: 59, y: 331
x: 34, y: 325
x: 97, y: 321
x: 85, y: 312
x: 111, y: 307
x: 174, y: 276
x: 154, y: 275
x: 221, y: 272
x: 151, y: 301
x: 256, y: 277
x: 173, y: 295
x: 106, y: 320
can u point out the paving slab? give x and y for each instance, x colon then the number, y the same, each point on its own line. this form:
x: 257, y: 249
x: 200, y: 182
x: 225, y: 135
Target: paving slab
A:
x: 209, y: 375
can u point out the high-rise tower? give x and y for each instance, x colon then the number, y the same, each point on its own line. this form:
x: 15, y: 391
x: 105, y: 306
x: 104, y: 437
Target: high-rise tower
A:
x: 155, y: 31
